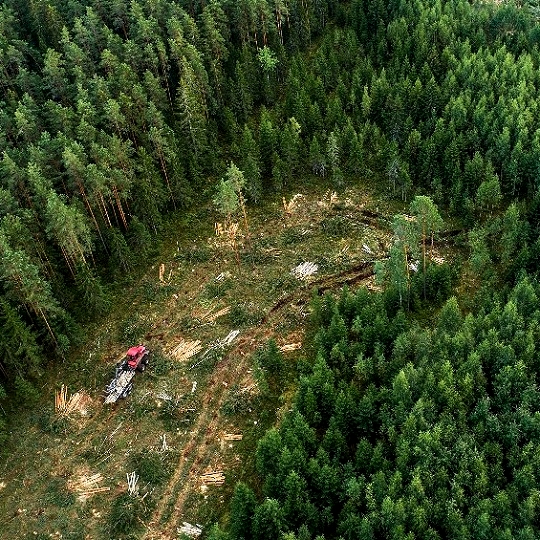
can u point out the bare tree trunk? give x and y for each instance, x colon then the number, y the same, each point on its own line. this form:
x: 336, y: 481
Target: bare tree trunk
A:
x: 164, y: 169
x: 424, y: 255
x: 408, y: 276
x: 119, y: 204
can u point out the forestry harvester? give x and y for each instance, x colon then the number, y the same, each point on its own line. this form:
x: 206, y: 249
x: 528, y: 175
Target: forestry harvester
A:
x: 121, y: 386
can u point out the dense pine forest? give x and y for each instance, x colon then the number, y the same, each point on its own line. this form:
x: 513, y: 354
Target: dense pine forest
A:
x: 116, y: 115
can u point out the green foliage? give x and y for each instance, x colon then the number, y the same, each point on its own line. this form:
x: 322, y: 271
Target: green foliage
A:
x: 270, y: 359
x: 199, y: 253
x: 126, y: 515
x: 114, y: 117
x: 226, y: 199
x: 58, y: 494
x: 488, y: 195
x: 216, y: 533
x: 25, y: 391
x: 267, y: 59
x: 132, y: 329
x: 268, y: 520
x: 161, y: 364
x: 237, y: 402
x: 243, y: 315
x: 292, y: 235
x: 243, y: 505
x: 424, y: 415
x: 51, y: 423
x: 229, y: 198
x: 217, y: 288
x: 4, y: 435
x: 336, y: 226
x: 150, y: 466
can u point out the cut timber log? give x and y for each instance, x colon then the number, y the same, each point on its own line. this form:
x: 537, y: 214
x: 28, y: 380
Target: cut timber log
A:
x: 290, y: 347
x: 86, y: 486
x: 93, y: 491
x: 232, y: 437
x: 64, y: 406
x: 118, y: 386
x: 304, y: 270
x: 216, y: 478
x: 194, y: 531
x: 186, y: 349
x: 132, y: 481
x: 60, y: 399
x: 219, y: 344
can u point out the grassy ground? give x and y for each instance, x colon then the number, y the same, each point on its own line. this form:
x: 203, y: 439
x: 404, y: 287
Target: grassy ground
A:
x: 174, y: 426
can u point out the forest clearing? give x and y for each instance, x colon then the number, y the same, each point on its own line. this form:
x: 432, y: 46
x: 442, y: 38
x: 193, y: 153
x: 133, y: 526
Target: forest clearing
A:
x: 315, y: 227
x: 197, y: 408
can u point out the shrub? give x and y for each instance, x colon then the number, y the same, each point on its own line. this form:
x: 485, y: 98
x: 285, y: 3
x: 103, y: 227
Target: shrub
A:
x: 240, y: 316
x: 126, y: 515
x: 336, y: 226
x: 237, y: 402
x: 150, y: 467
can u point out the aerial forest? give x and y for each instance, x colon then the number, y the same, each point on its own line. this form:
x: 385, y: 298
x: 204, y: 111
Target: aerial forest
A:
x: 116, y: 115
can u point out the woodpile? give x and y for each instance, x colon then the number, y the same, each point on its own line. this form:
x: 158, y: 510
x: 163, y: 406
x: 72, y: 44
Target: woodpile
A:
x: 132, y: 481
x: 164, y: 445
x: 186, y: 349
x: 328, y: 200
x: 219, y: 344
x: 87, y: 486
x: 290, y: 347
x: 232, y: 437
x: 211, y: 315
x: 193, y: 531
x: 227, y: 235
x: 215, y: 478
x: 162, y: 274
x: 64, y: 405
x: 60, y: 400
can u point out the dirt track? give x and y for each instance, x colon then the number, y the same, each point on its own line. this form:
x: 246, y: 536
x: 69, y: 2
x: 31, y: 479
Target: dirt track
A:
x: 232, y: 370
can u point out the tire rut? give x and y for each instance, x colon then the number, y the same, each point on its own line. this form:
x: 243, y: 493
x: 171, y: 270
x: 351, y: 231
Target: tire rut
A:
x: 162, y: 524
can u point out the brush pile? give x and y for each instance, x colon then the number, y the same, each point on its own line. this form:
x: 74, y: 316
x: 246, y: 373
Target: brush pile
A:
x: 64, y: 405
x: 304, y: 270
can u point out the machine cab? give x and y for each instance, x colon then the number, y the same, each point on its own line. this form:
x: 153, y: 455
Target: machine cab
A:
x: 134, y: 356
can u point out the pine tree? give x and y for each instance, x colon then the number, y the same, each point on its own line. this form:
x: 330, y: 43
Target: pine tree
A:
x: 249, y: 163
x: 268, y: 521
x: 333, y: 153
x: 428, y: 222
x: 21, y: 354
x: 243, y: 504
